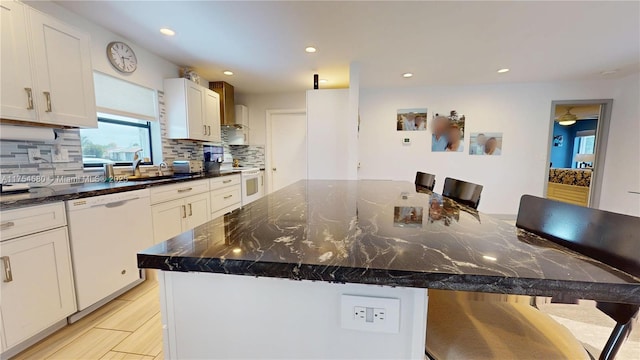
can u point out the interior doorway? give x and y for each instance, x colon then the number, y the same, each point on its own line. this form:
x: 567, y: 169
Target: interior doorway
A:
x: 286, y: 151
x: 576, y: 151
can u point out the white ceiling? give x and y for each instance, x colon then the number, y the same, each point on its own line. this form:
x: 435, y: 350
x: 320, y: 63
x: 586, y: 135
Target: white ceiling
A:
x: 440, y: 42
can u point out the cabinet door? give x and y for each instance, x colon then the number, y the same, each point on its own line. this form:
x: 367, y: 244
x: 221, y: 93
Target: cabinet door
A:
x: 212, y: 115
x: 198, y: 210
x: 195, y: 111
x: 63, y: 72
x: 16, y: 82
x: 168, y: 219
x: 40, y: 292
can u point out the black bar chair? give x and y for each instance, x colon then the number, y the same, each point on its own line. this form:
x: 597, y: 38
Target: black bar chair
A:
x: 611, y: 238
x: 425, y: 180
x: 463, y: 192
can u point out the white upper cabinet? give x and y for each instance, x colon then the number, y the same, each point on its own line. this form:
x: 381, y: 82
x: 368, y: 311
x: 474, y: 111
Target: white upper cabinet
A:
x: 193, y: 111
x: 17, y: 83
x: 63, y: 72
x: 212, y: 115
x: 51, y: 77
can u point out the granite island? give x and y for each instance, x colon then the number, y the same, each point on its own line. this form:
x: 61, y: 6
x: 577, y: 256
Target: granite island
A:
x: 270, y: 280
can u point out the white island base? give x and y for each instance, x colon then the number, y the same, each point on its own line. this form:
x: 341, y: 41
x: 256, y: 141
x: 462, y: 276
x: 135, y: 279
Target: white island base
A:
x: 218, y: 316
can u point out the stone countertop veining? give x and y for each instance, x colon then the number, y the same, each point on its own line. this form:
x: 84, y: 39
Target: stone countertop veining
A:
x: 47, y: 194
x: 386, y: 233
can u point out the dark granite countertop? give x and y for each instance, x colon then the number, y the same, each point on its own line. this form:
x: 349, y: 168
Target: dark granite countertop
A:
x: 47, y: 194
x: 386, y: 233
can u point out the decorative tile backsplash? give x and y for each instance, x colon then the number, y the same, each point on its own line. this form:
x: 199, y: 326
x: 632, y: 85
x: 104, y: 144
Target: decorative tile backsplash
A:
x: 15, y: 166
x: 249, y: 155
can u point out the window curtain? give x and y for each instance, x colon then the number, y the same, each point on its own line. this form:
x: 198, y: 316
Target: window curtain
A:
x: 121, y: 97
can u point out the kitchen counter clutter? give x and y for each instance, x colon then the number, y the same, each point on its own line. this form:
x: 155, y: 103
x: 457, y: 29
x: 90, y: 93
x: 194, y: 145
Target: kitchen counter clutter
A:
x: 345, y: 232
x: 47, y: 194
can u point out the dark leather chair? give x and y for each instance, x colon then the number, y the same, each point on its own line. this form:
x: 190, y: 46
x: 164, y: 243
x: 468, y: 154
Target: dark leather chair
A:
x: 611, y: 238
x: 463, y: 192
x: 425, y: 180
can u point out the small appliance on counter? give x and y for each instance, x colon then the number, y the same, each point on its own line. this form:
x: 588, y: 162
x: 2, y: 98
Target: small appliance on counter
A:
x: 213, y: 156
x: 187, y: 167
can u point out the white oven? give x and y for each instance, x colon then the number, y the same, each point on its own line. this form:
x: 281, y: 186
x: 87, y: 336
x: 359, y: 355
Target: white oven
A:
x: 252, y: 185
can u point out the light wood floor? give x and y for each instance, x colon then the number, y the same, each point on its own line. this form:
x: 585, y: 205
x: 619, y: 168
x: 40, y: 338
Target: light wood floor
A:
x: 127, y: 328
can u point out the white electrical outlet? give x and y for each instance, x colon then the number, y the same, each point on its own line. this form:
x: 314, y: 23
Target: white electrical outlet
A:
x: 370, y: 314
x: 33, y: 153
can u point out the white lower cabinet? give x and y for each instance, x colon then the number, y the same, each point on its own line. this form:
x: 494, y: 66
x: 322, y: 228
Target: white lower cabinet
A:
x: 37, y: 281
x: 226, y: 194
x: 173, y: 217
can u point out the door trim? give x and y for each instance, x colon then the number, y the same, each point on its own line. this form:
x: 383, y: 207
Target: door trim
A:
x: 268, y: 148
x: 602, y: 135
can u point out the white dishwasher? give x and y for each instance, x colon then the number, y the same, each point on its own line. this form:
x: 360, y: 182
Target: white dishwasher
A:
x: 106, y: 232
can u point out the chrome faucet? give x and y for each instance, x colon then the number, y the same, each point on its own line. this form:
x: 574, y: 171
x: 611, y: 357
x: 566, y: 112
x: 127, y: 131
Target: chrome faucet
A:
x: 162, y: 165
x: 136, y: 164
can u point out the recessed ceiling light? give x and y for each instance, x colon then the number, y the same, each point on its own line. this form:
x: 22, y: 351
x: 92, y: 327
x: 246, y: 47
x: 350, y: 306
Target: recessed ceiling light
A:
x: 310, y: 49
x: 228, y: 72
x: 324, y: 81
x: 609, y: 72
x: 167, y: 31
x: 490, y: 258
x: 503, y: 70
x: 407, y: 75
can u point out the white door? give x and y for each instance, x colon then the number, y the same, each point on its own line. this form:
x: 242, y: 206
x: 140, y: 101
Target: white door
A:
x: 40, y: 290
x: 288, y: 149
x: 167, y: 219
x: 198, y: 210
x: 63, y: 72
x: 195, y: 111
x: 16, y: 81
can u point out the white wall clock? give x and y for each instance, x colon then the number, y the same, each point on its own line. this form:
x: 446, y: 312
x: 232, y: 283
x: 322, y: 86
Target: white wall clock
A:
x: 122, y: 57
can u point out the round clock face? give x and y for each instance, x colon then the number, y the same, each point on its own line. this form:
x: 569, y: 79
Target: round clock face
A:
x: 122, y: 57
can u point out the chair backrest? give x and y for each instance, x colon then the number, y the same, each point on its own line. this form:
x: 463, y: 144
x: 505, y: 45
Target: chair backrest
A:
x: 463, y: 192
x: 425, y: 180
x: 611, y: 238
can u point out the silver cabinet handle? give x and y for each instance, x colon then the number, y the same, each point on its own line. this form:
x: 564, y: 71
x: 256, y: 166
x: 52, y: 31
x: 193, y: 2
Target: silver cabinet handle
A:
x: 209, y: 127
x: 261, y: 180
x: 29, y: 98
x: 274, y: 169
x: 47, y: 97
x: 6, y: 225
x: 185, y: 190
x: 226, y: 181
x: 228, y: 197
x: 190, y: 210
x: 204, y: 129
x: 6, y: 264
x: 184, y: 212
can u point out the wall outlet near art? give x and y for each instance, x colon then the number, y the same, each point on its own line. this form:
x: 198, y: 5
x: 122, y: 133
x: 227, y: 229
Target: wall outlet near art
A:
x: 406, y: 141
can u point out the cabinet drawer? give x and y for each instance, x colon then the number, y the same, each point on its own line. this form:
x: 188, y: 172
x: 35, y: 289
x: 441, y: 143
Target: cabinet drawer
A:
x: 177, y: 191
x: 224, y: 181
x: 224, y: 198
x: 18, y: 222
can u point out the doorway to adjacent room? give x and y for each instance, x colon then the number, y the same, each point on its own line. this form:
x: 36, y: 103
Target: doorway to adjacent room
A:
x: 576, y: 152
x: 286, y: 151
